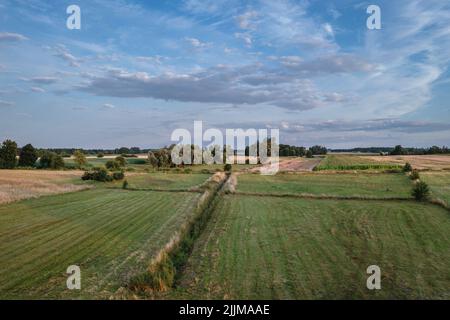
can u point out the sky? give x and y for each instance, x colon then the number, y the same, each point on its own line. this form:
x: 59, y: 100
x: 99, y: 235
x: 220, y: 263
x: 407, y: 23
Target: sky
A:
x: 137, y: 70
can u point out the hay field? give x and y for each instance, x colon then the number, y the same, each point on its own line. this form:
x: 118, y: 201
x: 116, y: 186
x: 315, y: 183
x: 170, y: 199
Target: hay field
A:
x: 420, y: 162
x: 23, y: 184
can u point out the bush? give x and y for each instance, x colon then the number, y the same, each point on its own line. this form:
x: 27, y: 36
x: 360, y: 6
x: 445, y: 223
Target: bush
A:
x: 124, y: 184
x: 227, y: 167
x: 121, y: 161
x: 421, y: 191
x: 119, y: 175
x: 100, y: 155
x: 414, y: 175
x: 112, y: 165
x: 407, y: 167
x: 97, y: 174
x: 309, y: 154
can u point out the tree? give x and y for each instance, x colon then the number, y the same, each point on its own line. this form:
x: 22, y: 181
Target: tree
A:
x: 79, y: 158
x: 8, y: 154
x: 51, y: 160
x: 421, y: 191
x: 318, y: 150
x: 309, y: 154
x: 407, y: 167
x: 398, y: 151
x: 100, y: 155
x: 121, y: 161
x: 28, y: 156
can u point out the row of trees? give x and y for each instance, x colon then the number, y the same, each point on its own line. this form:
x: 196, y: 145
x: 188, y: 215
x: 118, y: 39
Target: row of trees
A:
x: 399, y: 150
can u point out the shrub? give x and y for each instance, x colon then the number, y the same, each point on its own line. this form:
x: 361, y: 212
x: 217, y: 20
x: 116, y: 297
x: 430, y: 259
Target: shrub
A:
x: 121, y: 161
x: 119, y: 175
x: 100, y: 155
x: 414, y: 175
x: 124, y: 184
x: 227, y: 167
x: 112, y: 165
x: 309, y: 154
x: 97, y: 174
x: 407, y: 167
x: 28, y: 156
x: 421, y: 191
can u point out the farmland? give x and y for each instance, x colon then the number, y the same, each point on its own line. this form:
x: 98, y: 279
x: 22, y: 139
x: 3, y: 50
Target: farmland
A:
x: 23, y: 184
x: 364, y: 185
x: 110, y: 234
x: 354, y: 162
x: 295, y: 235
x: 278, y: 248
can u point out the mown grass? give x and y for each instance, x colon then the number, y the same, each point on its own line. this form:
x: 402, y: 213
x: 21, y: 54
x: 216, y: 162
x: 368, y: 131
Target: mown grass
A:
x: 110, y: 234
x: 277, y: 248
x: 439, y: 183
x: 164, y: 181
x: 350, y: 162
x: 352, y: 184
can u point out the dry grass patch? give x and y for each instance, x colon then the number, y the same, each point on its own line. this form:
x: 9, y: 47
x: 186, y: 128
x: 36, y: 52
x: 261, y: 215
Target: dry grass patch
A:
x: 23, y: 184
x: 420, y: 162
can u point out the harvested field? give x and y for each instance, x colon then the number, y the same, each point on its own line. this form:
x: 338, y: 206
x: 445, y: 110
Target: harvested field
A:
x: 23, y: 184
x: 421, y: 162
x: 294, y: 165
x: 110, y: 234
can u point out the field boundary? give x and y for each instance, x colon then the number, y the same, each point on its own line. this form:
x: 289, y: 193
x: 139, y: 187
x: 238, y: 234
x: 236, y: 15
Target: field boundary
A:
x: 320, y: 197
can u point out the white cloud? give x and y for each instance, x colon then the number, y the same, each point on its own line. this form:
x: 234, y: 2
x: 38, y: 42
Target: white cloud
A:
x: 37, y: 89
x: 11, y: 37
x: 244, y: 36
x: 196, y: 43
x: 247, y: 21
x: 108, y: 106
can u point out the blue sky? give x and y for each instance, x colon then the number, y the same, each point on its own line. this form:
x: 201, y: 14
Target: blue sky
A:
x: 139, y: 69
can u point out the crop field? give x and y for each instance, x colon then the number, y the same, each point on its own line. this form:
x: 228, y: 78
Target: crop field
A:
x: 351, y: 184
x: 165, y: 181
x: 110, y: 234
x: 279, y: 248
x: 23, y: 184
x: 439, y: 183
x: 420, y: 162
x: 353, y: 162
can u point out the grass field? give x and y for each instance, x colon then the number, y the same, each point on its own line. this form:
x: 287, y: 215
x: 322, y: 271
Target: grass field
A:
x: 439, y: 183
x: 353, y: 162
x: 165, y: 181
x: 365, y: 185
x: 278, y: 248
x: 110, y: 234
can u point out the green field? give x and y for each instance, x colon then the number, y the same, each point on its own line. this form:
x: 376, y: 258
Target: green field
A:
x: 279, y: 248
x: 439, y: 183
x: 165, y: 181
x: 353, y: 162
x: 110, y: 234
x: 364, y: 185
